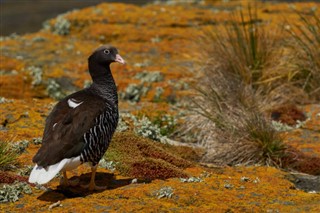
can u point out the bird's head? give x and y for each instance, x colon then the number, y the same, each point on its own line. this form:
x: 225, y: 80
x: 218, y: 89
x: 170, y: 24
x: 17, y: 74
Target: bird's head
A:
x: 105, y: 55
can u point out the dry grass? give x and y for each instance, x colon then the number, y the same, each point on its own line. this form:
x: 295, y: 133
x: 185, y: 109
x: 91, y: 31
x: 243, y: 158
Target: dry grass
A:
x: 247, y: 75
x: 305, y: 43
x: 233, y: 92
x: 244, y: 47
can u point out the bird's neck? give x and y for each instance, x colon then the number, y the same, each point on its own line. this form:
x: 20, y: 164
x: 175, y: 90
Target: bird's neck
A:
x: 103, y: 82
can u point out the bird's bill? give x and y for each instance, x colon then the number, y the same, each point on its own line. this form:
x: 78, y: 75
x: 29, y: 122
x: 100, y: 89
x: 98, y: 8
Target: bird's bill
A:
x: 120, y: 59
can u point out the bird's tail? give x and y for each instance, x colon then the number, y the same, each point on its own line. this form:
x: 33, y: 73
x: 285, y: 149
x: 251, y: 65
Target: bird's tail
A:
x: 42, y: 175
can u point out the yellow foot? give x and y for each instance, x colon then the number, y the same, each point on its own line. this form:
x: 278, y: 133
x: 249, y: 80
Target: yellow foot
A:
x: 67, y: 182
x: 93, y: 186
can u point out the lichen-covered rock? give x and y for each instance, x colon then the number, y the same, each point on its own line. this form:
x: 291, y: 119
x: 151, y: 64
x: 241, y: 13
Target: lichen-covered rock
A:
x: 158, y: 43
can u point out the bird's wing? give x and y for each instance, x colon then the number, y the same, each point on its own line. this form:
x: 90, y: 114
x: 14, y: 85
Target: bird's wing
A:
x: 70, y: 119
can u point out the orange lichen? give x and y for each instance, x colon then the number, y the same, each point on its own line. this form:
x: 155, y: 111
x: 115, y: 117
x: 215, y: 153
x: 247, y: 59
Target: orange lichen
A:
x: 23, y: 119
x: 222, y: 190
x: 150, y: 38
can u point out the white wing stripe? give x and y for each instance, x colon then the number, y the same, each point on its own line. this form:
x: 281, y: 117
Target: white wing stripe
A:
x: 72, y: 103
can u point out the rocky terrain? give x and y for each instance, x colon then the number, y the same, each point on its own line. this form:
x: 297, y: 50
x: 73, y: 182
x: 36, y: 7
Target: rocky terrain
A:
x: 159, y: 43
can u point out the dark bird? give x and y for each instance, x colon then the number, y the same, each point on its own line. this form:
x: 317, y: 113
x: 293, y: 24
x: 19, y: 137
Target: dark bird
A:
x: 80, y: 126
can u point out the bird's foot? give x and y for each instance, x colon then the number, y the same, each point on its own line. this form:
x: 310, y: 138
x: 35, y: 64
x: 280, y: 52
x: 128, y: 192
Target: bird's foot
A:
x: 93, y: 187
x: 66, y: 182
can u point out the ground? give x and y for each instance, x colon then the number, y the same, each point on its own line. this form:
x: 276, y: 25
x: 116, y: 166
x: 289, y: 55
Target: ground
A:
x: 37, y: 68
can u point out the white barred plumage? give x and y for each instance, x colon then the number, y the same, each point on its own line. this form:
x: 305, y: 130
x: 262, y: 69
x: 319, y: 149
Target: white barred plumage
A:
x: 80, y: 127
x: 97, y: 139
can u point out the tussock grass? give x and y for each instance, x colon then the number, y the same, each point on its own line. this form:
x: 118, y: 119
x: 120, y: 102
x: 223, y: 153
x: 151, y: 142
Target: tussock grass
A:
x: 270, y: 146
x: 305, y: 43
x: 7, y: 156
x: 235, y: 88
x: 249, y: 72
x: 242, y: 47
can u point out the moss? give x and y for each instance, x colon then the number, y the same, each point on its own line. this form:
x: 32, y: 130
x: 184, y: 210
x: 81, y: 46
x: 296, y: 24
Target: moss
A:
x: 9, y: 178
x: 188, y: 153
x: 143, y: 158
x: 151, y: 37
x: 150, y: 168
x: 298, y: 161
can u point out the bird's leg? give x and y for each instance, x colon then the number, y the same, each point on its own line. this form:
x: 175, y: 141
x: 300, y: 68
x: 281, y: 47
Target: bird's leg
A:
x: 92, y: 185
x: 66, y: 182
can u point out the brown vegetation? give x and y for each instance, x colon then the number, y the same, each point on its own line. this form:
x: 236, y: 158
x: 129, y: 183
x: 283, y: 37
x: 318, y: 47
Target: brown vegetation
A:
x: 241, y: 84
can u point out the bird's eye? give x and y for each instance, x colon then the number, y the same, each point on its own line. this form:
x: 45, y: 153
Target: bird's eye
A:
x: 106, y: 51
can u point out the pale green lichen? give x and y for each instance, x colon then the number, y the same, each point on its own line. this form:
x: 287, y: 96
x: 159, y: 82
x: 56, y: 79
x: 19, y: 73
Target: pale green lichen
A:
x: 110, y: 165
x: 12, y: 193
x: 166, y: 123
x: 191, y: 180
x: 164, y: 192
x: 145, y: 128
x: 25, y: 171
x: 149, y: 77
x: 134, y: 92
x: 37, y: 141
x: 61, y: 26
x: 157, y: 130
x: 228, y: 186
x: 20, y: 146
x: 122, y: 125
x: 281, y: 127
x: 54, y: 89
x: 36, y: 73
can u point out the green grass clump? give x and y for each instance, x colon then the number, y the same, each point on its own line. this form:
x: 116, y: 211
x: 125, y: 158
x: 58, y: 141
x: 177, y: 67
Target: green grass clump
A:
x: 8, y: 156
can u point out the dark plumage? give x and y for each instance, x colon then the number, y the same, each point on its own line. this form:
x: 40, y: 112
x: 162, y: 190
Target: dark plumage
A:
x: 80, y: 127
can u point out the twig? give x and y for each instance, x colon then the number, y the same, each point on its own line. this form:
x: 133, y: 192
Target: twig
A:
x: 54, y: 205
x: 177, y: 143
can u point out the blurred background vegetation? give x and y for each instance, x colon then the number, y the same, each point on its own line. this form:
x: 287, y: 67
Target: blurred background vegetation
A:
x: 25, y: 16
